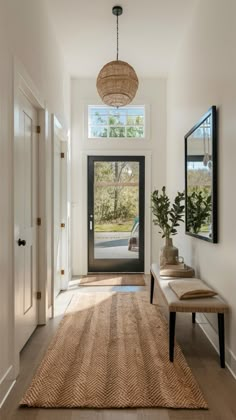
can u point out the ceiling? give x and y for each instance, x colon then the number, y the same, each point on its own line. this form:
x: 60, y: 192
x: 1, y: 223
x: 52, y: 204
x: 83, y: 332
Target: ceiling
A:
x: 150, y: 32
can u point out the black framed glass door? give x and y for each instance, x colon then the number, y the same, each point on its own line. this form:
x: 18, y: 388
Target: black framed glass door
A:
x: 116, y: 213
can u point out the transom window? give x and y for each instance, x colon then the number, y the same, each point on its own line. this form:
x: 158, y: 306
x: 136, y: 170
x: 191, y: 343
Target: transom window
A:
x: 109, y: 122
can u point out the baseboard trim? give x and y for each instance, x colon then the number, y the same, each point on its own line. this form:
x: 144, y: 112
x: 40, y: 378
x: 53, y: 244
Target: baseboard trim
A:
x: 6, y: 385
x: 212, y: 335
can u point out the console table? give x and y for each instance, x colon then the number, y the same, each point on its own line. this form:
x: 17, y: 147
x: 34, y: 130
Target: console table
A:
x: 204, y: 305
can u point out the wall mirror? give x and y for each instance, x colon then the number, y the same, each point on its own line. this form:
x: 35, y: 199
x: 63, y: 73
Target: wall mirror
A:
x: 201, y: 178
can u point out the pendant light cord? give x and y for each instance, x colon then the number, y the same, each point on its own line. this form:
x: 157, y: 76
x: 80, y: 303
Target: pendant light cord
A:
x: 117, y: 39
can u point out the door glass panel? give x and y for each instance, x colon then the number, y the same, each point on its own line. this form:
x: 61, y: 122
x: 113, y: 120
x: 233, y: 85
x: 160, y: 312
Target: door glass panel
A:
x: 116, y: 210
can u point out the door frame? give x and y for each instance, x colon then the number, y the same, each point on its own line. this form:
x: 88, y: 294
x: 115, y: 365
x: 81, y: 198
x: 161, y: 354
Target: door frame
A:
x: 24, y: 85
x: 82, y: 215
x: 122, y: 265
x: 57, y: 128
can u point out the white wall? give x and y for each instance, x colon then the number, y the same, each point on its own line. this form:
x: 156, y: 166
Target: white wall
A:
x: 25, y: 33
x: 204, y: 74
x: 151, y: 92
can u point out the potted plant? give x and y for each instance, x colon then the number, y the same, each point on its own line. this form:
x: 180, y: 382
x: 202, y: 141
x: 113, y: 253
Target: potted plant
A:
x: 199, y: 210
x: 167, y: 216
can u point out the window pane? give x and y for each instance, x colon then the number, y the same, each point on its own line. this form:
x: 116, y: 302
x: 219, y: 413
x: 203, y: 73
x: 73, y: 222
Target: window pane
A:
x: 97, y: 132
x: 120, y: 111
x: 135, y: 132
x: 116, y: 210
x: 94, y: 109
x: 117, y: 132
x: 135, y: 120
x: 125, y: 122
x: 98, y: 119
x: 116, y: 119
x: 135, y: 110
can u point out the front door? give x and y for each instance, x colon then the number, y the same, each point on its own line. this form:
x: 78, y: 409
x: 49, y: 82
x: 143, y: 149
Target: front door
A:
x: 25, y: 214
x: 116, y: 213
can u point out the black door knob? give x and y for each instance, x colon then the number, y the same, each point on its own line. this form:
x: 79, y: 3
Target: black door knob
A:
x: 21, y: 242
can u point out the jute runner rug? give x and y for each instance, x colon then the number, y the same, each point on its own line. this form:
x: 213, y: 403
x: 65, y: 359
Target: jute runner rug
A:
x: 111, y: 350
x: 113, y: 280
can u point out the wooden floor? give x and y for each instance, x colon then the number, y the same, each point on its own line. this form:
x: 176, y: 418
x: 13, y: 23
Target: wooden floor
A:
x: 217, y: 384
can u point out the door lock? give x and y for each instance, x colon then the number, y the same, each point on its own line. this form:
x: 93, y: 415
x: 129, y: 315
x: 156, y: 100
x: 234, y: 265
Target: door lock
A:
x: 21, y: 242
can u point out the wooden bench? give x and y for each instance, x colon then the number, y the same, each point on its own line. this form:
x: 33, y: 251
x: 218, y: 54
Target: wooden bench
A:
x: 204, y: 305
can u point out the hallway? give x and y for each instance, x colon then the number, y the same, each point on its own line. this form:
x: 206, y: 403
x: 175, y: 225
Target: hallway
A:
x: 217, y: 385
x: 53, y: 121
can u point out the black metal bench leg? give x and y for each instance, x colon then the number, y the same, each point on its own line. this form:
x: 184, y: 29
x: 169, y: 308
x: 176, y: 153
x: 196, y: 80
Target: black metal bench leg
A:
x: 172, y: 335
x: 193, y: 317
x: 152, y: 288
x: 221, y: 331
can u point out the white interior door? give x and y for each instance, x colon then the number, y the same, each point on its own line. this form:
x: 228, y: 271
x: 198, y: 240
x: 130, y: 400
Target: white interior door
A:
x: 25, y: 235
x: 60, y: 225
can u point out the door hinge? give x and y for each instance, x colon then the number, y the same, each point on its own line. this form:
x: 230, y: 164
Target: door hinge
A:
x: 39, y: 295
x: 39, y: 221
x: 62, y: 225
x: 62, y: 272
x: 62, y: 155
x: 38, y: 129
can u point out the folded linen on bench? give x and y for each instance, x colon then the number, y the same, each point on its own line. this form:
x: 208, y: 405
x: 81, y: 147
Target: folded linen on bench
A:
x: 189, y: 289
x: 177, y: 270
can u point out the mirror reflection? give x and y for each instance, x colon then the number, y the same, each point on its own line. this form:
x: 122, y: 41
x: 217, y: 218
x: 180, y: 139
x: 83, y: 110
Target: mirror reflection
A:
x: 200, y: 188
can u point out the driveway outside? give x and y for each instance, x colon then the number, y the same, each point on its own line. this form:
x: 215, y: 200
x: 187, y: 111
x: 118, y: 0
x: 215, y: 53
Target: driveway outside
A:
x: 112, y: 245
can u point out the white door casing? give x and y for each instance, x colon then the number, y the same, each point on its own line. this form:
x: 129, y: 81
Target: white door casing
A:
x: 56, y: 215
x: 25, y: 217
x: 65, y: 216
x: 29, y: 110
x: 60, y: 208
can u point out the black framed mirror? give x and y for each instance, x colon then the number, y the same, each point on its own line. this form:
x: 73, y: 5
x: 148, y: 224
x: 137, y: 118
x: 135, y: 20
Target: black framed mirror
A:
x: 201, y: 178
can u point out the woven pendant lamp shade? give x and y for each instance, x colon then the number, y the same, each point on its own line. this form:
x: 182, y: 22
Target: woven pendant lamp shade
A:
x: 117, y: 83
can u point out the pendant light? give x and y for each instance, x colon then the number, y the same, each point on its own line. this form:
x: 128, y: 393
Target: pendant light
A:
x: 117, y: 82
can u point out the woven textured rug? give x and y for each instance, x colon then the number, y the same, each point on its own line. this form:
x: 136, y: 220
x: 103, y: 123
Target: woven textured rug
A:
x: 111, y: 350
x: 113, y: 280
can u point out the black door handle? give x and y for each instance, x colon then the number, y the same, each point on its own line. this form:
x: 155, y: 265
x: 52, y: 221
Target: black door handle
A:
x: 21, y: 242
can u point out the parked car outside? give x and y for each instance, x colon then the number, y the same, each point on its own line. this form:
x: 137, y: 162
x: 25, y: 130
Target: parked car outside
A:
x: 133, y: 242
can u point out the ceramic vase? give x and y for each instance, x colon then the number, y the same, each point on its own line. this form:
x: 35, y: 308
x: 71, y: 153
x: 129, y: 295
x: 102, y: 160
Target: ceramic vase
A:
x: 169, y: 253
